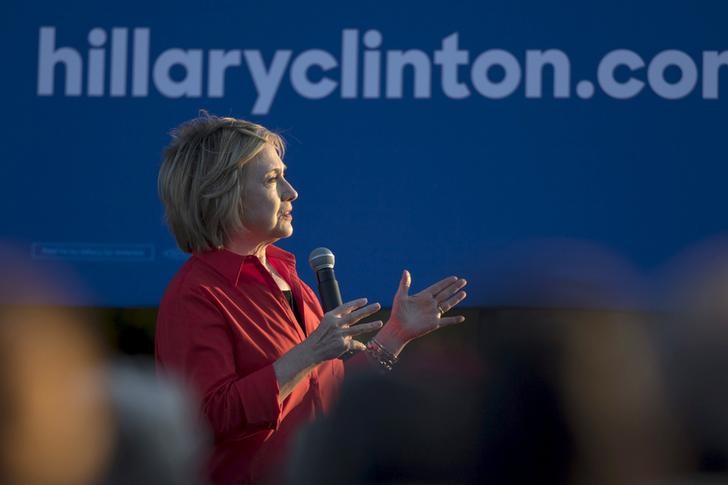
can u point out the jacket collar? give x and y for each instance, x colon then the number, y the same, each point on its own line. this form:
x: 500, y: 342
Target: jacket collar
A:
x: 231, y: 265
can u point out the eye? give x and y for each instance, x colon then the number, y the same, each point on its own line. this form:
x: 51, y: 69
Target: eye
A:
x: 275, y: 176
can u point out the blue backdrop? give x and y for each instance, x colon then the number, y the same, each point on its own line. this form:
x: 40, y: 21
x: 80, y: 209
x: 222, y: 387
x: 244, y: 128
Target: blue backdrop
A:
x: 502, y: 141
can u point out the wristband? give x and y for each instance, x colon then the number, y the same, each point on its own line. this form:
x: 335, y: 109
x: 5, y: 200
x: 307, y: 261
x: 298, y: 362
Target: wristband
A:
x: 381, y: 356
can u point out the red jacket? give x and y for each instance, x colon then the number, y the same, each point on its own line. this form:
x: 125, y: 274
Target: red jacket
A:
x: 222, y: 323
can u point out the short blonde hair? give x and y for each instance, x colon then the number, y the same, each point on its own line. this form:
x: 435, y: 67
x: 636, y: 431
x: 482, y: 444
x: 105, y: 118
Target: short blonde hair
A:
x: 202, y: 176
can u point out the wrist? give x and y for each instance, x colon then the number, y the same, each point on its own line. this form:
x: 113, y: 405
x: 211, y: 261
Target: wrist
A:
x: 392, y: 338
x: 382, y: 358
x: 307, y: 355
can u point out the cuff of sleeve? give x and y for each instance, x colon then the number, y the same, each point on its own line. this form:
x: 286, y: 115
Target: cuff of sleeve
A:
x: 259, y: 394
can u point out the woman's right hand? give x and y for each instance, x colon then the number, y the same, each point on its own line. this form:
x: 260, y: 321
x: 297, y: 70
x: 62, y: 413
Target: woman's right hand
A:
x: 334, y: 335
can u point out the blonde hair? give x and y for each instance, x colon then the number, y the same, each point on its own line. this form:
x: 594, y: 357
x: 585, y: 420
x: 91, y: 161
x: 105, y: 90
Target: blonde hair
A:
x: 202, y: 176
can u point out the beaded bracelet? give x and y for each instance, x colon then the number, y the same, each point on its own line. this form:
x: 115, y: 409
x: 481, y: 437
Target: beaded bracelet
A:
x: 380, y: 355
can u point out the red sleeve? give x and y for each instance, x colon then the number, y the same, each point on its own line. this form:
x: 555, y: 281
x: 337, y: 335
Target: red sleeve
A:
x: 194, y: 338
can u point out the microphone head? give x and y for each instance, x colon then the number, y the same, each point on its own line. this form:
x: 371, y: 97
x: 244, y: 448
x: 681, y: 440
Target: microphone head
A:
x: 321, y: 258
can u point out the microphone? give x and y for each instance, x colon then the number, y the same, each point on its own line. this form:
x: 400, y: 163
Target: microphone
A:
x: 322, y: 263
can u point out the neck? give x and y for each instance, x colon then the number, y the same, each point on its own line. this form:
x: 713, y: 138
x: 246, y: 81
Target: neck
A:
x: 245, y: 247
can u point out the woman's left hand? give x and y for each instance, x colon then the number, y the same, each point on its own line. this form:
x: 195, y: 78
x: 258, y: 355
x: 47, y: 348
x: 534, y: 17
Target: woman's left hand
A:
x: 416, y: 315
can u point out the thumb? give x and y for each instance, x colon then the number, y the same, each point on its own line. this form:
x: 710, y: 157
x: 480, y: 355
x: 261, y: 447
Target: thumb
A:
x: 404, y: 283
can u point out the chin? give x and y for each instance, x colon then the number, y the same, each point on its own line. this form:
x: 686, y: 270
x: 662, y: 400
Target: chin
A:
x: 285, y: 232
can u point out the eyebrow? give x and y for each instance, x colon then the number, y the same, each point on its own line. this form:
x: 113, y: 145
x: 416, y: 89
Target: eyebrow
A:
x: 277, y: 170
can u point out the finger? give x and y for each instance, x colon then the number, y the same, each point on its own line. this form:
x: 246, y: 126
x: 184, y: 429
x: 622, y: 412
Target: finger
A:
x: 450, y: 303
x: 357, y: 315
x: 349, y: 306
x: 404, y: 283
x: 447, y: 292
x: 445, y: 321
x: 433, y: 290
x: 361, y: 328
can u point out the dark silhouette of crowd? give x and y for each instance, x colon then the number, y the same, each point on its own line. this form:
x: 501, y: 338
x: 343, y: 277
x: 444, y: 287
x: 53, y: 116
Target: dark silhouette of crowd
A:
x: 524, y: 395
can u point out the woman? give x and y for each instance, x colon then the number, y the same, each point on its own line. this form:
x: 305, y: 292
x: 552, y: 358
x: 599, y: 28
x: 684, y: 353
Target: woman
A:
x: 238, y: 323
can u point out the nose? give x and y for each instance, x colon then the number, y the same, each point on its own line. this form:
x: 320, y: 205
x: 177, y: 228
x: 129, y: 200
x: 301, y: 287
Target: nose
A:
x: 288, y: 193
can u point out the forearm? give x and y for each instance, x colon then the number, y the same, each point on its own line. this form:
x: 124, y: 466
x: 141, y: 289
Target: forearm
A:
x: 291, y: 368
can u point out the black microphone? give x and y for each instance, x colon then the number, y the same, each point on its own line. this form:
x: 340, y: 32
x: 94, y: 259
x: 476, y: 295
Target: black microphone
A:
x: 322, y: 262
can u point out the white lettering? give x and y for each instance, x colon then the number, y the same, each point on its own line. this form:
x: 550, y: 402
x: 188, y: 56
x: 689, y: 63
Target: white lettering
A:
x: 372, y: 62
x: 190, y: 85
x: 450, y: 57
x: 266, y: 81
x: 312, y: 73
x: 49, y: 57
x: 118, y: 61
x: 656, y: 74
x: 349, y: 63
x: 140, y: 78
x: 219, y: 61
x: 712, y: 62
x: 96, y: 62
x: 605, y: 74
x: 299, y: 74
x: 396, y: 62
x: 510, y: 81
x: 535, y: 62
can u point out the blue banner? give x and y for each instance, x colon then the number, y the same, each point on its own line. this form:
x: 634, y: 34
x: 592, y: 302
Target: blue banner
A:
x: 506, y: 142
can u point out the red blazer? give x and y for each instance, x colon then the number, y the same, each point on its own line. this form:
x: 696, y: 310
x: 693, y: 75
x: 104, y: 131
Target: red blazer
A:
x: 222, y: 323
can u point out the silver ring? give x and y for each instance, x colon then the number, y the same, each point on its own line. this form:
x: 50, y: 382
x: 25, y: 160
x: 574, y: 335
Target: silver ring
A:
x: 442, y: 312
